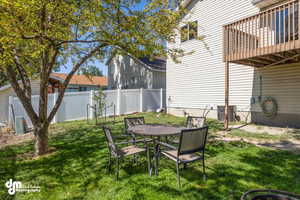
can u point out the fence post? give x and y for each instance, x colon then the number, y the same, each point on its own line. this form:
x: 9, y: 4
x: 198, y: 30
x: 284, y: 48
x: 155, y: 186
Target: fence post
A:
x: 91, y: 104
x: 161, y: 98
x: 10, y: 102
x: 54, y: 102
x: 118, y: 101
x: 141, y: 100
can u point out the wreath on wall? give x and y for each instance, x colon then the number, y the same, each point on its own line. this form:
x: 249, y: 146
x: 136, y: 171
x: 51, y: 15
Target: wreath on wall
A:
x: 269, y: 107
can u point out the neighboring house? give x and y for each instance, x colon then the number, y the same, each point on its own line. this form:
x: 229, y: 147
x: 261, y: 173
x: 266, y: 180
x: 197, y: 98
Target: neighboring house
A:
x: 126, y: 72
x: 259, y: 43
x: 78, y: 83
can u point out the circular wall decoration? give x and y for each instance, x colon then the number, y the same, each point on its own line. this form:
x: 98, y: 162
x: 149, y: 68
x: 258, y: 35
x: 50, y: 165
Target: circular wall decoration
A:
x: 269, y: 107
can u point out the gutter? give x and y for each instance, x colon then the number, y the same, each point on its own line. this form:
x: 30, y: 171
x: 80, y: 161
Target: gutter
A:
x: 254, y: 2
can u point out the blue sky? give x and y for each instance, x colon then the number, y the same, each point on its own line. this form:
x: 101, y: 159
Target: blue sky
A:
x: 98, y: 64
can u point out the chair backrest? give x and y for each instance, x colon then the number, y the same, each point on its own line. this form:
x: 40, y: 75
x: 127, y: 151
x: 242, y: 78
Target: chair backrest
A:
x: 195, y: 122
x: 192, y: 140
x: 110, y: 140
x: 133, y: 121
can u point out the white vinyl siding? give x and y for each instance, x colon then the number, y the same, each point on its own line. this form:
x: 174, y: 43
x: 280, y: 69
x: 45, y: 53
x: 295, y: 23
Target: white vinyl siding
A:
x: 126, y: 73
x: 282, y: 83
x: 198, y: 81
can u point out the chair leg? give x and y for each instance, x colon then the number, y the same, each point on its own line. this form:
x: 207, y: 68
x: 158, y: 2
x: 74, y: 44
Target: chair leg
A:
x: 203, y: 166
x: 184, y: 165
x: 117, y: 169
x: 156, y: 160
x: 109, y: 164
x: 148, y: 160
x: 178, y: 176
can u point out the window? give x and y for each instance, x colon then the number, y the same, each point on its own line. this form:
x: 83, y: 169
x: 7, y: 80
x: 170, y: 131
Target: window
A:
x: 189, y: 31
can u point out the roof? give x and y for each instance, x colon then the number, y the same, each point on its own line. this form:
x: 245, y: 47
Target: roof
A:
x: 82, y: 79
x: 5, y: 87
x: 155, y: 64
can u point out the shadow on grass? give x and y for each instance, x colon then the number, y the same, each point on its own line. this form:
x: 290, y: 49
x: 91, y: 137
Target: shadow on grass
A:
x: 78, y: 169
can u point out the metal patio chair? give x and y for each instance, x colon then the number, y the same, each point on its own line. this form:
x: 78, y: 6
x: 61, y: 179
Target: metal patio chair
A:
x: 191, y: 122
x: 133, y: 121
x: 263, y: 194
x: 191, y: 148
x: 120, y: 152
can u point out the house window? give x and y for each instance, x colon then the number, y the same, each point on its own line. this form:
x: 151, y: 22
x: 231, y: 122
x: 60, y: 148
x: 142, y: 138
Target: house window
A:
x: 189, y: 31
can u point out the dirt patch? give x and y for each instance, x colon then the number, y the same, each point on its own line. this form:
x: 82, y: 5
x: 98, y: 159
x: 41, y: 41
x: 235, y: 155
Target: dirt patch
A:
x: 31, y: 156
x: 288, y: 145
x: 264, y: 129
x: 7, y: 139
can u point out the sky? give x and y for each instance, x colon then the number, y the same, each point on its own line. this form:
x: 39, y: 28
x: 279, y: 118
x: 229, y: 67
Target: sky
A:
x: 101, y: 65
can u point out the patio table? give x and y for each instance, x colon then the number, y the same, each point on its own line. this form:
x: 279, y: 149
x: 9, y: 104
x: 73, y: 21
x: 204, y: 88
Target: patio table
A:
x: 155, y: 131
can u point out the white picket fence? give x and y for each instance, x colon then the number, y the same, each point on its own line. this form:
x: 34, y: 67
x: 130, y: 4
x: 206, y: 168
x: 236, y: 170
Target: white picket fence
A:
x: 75, y: 104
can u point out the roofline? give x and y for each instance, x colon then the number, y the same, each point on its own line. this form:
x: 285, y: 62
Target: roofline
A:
x: 57, y: 78
x: 145, y: 65
x: 254, y: 2
x: 139, y: 61
x: 5, y: 87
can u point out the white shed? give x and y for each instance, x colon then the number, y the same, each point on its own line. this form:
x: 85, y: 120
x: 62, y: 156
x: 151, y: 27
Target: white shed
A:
x: 7, y: 91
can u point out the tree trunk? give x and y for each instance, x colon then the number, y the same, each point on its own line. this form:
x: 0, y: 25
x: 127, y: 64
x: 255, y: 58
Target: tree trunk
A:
x: 41, y: 140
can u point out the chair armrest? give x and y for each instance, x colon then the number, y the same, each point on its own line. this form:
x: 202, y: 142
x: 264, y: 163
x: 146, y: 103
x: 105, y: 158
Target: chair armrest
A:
x: 167, y: 145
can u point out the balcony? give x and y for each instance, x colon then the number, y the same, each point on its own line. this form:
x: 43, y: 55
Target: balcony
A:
x: 266, y: 39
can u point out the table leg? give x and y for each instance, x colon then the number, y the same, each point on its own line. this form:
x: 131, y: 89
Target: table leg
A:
x: 157, y: 155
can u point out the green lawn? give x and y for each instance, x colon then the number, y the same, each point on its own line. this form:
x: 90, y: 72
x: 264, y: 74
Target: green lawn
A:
x: 77, y: 169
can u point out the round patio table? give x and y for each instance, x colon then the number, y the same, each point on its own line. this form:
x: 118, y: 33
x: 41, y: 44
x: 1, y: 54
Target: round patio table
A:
x: 155, y: 131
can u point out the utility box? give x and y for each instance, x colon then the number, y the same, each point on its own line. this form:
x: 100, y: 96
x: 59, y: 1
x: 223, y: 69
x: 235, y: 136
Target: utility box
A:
x: 231, y: 114
x: 20, y: 125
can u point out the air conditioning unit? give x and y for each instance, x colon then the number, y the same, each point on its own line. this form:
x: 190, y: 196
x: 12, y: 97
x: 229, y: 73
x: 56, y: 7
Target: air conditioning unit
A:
x: 221, y: 113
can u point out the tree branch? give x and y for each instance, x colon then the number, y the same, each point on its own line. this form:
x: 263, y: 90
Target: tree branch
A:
x: 10, y: 72
x: 68, y: 78
x: 53, y: 61
x: 81, y: 41
x: 24, y: 77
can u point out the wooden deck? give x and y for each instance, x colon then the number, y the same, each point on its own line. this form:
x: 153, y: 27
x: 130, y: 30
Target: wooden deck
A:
x: 266, y: 39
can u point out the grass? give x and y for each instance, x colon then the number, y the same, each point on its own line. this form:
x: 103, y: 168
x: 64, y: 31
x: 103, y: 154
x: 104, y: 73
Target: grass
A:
x: 77, y: 168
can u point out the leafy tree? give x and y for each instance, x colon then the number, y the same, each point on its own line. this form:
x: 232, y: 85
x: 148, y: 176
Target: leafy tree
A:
x: 3, y: 79
x: 37, y: 36
x: 91, y: 71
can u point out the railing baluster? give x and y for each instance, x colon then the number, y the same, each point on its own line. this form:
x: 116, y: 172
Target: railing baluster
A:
x: 274, y: 30
x: 248, y: 37
x: 293, y: 25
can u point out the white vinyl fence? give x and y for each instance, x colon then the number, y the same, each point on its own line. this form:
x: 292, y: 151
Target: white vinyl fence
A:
x: 78, y: 105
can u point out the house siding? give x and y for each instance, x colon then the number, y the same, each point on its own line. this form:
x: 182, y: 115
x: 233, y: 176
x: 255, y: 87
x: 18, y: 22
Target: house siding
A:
x: 197, y: 83
x: 126, y: 73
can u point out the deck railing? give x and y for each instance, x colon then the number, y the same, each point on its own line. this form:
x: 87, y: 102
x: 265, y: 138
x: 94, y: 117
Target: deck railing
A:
x: 273, y: 30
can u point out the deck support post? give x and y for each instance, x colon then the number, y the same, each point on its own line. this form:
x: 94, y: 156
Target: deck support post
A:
x: 226, y: 121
